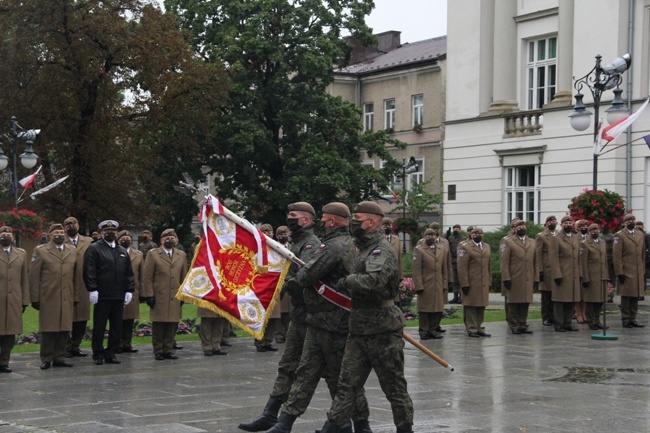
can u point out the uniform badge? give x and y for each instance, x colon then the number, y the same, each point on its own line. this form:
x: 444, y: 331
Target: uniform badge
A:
x: 582, y: 250
x: 321, y: 246
x: 615, y: 240
x: 415, y: 256
x: 122, y: 255
x: 376, y: 252
x: 502, y: 247
x: 33, y: 257
x: 461, y: 253
x: 308, y: 247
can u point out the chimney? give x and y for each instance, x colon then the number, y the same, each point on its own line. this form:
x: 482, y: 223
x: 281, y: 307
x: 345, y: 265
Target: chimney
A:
x: 387, y: 41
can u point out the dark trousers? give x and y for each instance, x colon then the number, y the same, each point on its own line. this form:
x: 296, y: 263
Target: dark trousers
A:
x: 473, y: 318
x: 271, y: 327
x: 429, y: 322
x: 107, y: 311
x: 592, y: 312
x: 127, y: 333
x: 517, y: 315
x: 77, y: 335
x: 547, y: 306
x: 53, y: 345
x: 629, y: 308
x: 210, y: 331
x: 162, y: 337
x: 563, y: 313
x: 6, y: 345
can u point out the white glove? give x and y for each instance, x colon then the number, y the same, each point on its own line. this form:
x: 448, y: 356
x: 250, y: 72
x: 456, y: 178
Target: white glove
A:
x: 127, y: 298
x: 94, y: 297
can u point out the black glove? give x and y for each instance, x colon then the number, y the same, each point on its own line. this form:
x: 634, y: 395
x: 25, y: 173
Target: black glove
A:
x: 24, y: 308
x: 36, y: 305
x: 465, y: 290
x: 339, y: 285
x: 151, y: 302
x: 621, y: 279
x: 541, y: 277
x: 507, y: 284
x: 558, y: 281
x: 448, y: 234
x: 142, y: 299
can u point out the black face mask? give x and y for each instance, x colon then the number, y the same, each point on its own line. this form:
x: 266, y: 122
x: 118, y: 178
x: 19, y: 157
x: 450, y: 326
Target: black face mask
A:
x: 72, y: 232
x: 456, y: 234
x: 293, y: 225
x: 355, y: 228
x: 583, y: 231
x: 552, y: 227
x: 283, y: 239
x: 429, y: 241
x: 521, y: 232
x: 567, y: 229
x: 630, y: 226
x: 109, y: 237
x: 594, y: 235
x: 59, y: 239
x: 5, y: 241
x: 387, y: 230
x: 169, y: 244
x: 125, y: 243
x: 477, y: 239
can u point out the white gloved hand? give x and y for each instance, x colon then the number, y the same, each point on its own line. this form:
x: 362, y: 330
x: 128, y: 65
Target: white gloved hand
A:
x: 94, y: 297
x: 127, y: 298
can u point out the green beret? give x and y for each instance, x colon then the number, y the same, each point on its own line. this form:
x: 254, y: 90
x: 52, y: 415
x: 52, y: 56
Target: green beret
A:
x: 55, y: 226
x: 434, y: 225
x: 70, y: 220
x: 337, y: 208
x: 369, y: 207
x: 429, y: 232
x: 5, y: 229
x: 302, y: 206
x: 281, y: 230
x: 387, y: 220
x: 124, y: 233
x: 566, y: 218
x: 629, y: 217
x: 520, y: 223
x: 593, y: 227
x: 168, y: 232
x: 550, y: 218
x: 514, y: 222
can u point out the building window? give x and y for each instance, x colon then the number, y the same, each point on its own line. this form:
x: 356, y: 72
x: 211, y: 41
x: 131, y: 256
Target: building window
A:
x: 542, y: 72
x: 368, y: 116
x: 522, y: 193
x: 418, y: 110
x: 389, y: 114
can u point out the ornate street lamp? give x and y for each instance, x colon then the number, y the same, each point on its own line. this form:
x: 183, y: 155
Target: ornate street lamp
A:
x: 597, y: 81
x: 407, y: 168
x: 28, y: 159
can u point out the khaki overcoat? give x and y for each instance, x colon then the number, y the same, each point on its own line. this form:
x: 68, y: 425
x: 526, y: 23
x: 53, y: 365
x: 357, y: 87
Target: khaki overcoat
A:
x: 429, y: 278
x: 546, y: 250
x: 629, y: 260
x: 52, y: 284
x: 81, y: 311
x: 473, y: 265
x: 569, y: 259
x: 162, y: 277
x: 518, y: 263
x: 593, y: 265
x: 14, y: 290
x: 132, y: 311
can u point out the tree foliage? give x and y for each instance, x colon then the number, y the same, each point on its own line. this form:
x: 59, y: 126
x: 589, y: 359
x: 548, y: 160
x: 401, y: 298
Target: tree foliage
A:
x: 123, y: 102
x: 282, y: 137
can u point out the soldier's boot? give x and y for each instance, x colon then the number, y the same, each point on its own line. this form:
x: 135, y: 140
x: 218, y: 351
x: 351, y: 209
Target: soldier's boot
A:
x: 345, y: 428
x: 362, y: 426
x: 285, y: 422
x: 268, y: 418
x: 405, y: 430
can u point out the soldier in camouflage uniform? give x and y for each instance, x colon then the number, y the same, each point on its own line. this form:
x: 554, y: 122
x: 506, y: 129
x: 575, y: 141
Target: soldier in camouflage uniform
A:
x: 300, y: 220
x: 327, y: 324
x: 375, y: 341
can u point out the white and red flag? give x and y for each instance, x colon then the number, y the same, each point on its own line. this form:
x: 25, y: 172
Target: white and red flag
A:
x: 26, y: 182
x: 235, y: 272
x: 612, y: 131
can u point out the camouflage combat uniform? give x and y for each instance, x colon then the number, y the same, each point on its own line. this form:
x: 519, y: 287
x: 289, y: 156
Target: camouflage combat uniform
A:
x: 327, y: 324
x: 375, y: 340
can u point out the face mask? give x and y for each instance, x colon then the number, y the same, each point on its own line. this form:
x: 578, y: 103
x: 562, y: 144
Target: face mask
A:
x: 355, y: 228
x: 5, y: 241
x: 429, y: 241
x: 630, y: 226
x: 169, y: 244
x: 478, y: 239
x: 387, y: 230
x: 72, y: 232
x: 594, y: 235
x: 283, y: 239
x: 293, y: 225
x: 125, y: 243
x: 109, y: 237
x: 552, y: 226
x: 567, y: 229
x: 583, y: 231
x: 59, y: 239
x: 456, y: 234
x: 521, y: 232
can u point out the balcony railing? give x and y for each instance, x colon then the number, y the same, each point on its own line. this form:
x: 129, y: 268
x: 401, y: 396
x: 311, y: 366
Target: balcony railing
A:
x: 523, y: 123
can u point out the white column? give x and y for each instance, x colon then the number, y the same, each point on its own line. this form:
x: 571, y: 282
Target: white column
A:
x: 564, y: 94
x: 504, y: 80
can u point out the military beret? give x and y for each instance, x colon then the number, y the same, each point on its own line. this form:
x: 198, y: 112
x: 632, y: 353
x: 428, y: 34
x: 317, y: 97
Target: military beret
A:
x: 369, y: 207
x: 70, y: 220
x: 550, y: 218
x: 281, y: 230
x: 566, y: 218
x: 146, y: 232
x: 456, y: 226
x: 5, y: 229
x: 434, y: 225
x: 428, y: 232
x: 629, y: 217
x: 108, y: 225
x: 95, y: 233
x: 302, y: 206
x: 265, y: 227
x: 168, y: 232
x: 520, y: 223
x: 514, y: 221
x: 470, y: 228
x: 639, y: 223
x: 593, y: 227
x: 55, y: 226
x: 387, y: 220
x: 581, y: 223
x: 337, y: 208
x: 123, y: 233
x: 479, y: 230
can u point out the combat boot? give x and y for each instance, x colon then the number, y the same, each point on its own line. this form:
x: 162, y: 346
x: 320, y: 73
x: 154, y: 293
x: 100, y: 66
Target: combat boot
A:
x: 329, y: 427
x: 405, y: 430
x: 362, y: 426
x: 268, y: 418
x: 345, y: 428
x: 285, y: 422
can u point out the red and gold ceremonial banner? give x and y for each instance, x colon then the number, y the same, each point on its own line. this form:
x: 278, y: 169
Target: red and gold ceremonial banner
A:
x: 234, y: 272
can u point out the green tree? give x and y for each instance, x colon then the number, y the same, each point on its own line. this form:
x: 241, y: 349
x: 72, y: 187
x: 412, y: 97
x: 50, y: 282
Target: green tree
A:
x: 123, y: 102
x: 283, y: 138
x: 418, y: 202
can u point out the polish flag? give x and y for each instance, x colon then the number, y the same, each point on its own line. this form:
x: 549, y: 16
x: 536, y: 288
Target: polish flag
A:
x: 611, y: 132
x: 27, y: 182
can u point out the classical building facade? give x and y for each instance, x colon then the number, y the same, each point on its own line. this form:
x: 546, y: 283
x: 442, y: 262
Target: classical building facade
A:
x: 510, y: 150
x: 400, y: 88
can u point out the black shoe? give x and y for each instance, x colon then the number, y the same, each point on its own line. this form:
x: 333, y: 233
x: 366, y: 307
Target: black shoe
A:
x: 46, y: 365
x: 128, y: 350
x: 207, y: 352
x: 599, y: 326
x: 548, y: 323
x: 219, y: 352
x: 525, y: 331
x: 280, y: 340
x: 628, y: 325
x: 362, y: 426
x: 113, y: 360
x: 270, y: 348
x: 571, y: 328
x: 226, y: 344
x: 440, y: 330
x: 268, y: 418
x: 426, y: 337
x: 159, y: 357
x: 5, y: 369
x: 636, y: 325
x: 593, y: 327
x: 98, y: 361
x: 177, y: 347
x: 515, y: 331
x: 169, y: 355
x: 75, y: 353
x: 261, y: 348
x: 61, y: 364
x: 560, y: 328
x: 473, y: 334
x: 436, y: 336
x: 484, y: 334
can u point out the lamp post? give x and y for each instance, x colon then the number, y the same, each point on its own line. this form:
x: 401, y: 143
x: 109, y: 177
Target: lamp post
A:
x: 597, y: 81
x: 407, y: 168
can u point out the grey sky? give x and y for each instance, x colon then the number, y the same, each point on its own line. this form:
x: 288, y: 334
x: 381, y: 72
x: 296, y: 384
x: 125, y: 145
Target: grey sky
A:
x: 416, y: 19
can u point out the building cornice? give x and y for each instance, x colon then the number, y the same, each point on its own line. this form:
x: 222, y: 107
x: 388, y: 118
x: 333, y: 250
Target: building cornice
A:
x: 537, y: 15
